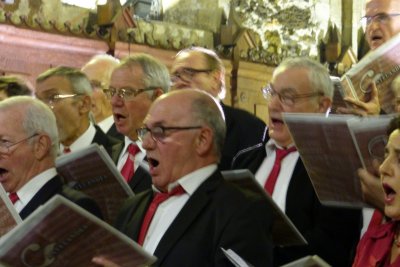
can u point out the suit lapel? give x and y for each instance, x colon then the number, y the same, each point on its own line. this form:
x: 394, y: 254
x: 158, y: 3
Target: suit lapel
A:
x: 195, y: 206
x: 51, y: 188
x: 137, y: 207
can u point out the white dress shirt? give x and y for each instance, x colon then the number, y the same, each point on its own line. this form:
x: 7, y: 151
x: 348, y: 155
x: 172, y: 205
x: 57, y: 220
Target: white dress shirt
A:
x: 169, y: 209
x: 106, y: 124
x: 288, y: 164
x: 83, y: 141
x: 139, y: 157
x: 29, y: 190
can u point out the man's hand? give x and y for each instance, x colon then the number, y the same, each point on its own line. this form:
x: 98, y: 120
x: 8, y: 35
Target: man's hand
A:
x: 372, y: 189
x: 101, y: 261
x: 360, y: 108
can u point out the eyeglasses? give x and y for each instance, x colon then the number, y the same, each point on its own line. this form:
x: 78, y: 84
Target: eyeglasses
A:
x: 5, y: 145
x: 126, y: 94
x: 54, y: 99
x: 158, y: 133
x: 187, y: 74
x: 287, y: 99
x: 381, y: 18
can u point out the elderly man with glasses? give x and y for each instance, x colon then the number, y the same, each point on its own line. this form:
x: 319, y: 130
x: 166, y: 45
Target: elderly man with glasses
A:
x: 28, y: 149
x: 300, y: 85
x: 135, y: 83
x: 200, y: 68
x: 67, y: 92
x: 192, y: 213
x: 381, y: 21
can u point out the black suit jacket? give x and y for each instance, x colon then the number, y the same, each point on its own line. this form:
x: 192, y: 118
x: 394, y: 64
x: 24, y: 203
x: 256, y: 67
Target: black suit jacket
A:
x: 216, y: 215
x: 141, y: 179
x: 109, y: 143
x: 113, y: 132
x: 243, y: 130
x: 54, y: 187
x: 332, y: 233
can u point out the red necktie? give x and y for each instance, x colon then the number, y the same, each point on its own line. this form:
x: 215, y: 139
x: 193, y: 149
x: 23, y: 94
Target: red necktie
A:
x: 13, y: 197
x: 376, y: 219
x: 157, y: 200
x: 129, y: 168
x: 273, y: 176
x: 66, y: 150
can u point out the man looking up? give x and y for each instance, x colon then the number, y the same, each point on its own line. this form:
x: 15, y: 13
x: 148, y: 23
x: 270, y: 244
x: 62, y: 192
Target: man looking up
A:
x: 99, y: 70
x: 67, y: 92
x: 200, y: 68
x: 135, y: 83
x: 28, y: 149
x: 183, y: 135
x: 300, y: 85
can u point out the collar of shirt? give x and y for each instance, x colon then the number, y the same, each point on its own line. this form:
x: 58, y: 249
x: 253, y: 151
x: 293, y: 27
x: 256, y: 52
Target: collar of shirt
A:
x: 124, y: 154
x: 272, y: 145
x: 83, y: 141
x: 106, y: 124
x: 190, y: 182
x: 27, y: 192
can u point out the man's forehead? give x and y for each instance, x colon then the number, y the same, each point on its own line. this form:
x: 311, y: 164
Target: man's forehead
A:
x: 382, y: 6
x: 292, y: 78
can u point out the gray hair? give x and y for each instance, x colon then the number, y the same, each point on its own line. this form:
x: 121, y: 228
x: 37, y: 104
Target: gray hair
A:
x: 318, y: 75
x: 213, y: 63
x: 206, y: 110
x: 79, y: 82
x: 106, y: 63
x: 155, y: 73
x: 38, y: 118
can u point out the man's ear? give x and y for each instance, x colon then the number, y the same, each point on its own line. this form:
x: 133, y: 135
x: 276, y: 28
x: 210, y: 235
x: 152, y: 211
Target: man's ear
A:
x: 216, y: 82
x: 324, y: 104
x: 156, y: 93
x: 85, y: 104
x: 204, y: 142
x: 42, y: 147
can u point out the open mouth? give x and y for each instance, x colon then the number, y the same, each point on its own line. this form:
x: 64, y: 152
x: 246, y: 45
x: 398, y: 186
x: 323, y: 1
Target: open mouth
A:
x: 152, y: 162
x: 389, y: 191
x: 118, y: 117
x: 3, y: 172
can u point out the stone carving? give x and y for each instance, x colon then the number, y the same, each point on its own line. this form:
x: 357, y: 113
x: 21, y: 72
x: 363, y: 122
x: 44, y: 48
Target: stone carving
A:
x: 286, y: 28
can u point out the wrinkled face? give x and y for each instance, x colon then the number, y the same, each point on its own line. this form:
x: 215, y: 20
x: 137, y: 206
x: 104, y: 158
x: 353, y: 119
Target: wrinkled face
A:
x: 129, y: 115
x: 290, y: 82
x: 99, y: 79
x: 16, y: 167
x: 68, y: 111
x: 378, y: 31
x: 175, y: 155
x: 390, y: 176
x: 190, y: 71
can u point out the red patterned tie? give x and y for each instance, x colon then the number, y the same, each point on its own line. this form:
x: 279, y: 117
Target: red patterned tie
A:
x: 157, y: 200
x: 129, y: 168
x: 273, y: 176
x: 13, y: 197
x: 66, y: 150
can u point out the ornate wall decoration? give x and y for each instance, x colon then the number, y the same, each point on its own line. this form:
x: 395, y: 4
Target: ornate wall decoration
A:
x: 286, y: 28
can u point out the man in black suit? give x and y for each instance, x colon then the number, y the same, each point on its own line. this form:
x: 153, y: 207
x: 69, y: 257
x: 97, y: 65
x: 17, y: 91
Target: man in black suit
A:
x: 28, y: 148
x: 304, y: 86
x: 99, y: 70
x: 183, y: 135
x: 67, y: 92
x: 200, y: 68
x: 135, y: 83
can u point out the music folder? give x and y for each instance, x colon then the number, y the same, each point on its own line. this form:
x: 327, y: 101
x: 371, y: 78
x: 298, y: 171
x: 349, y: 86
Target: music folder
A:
x: 92, y: 171
x: 60, y: 233
x: 284, y: 232
x: 333, y: 148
